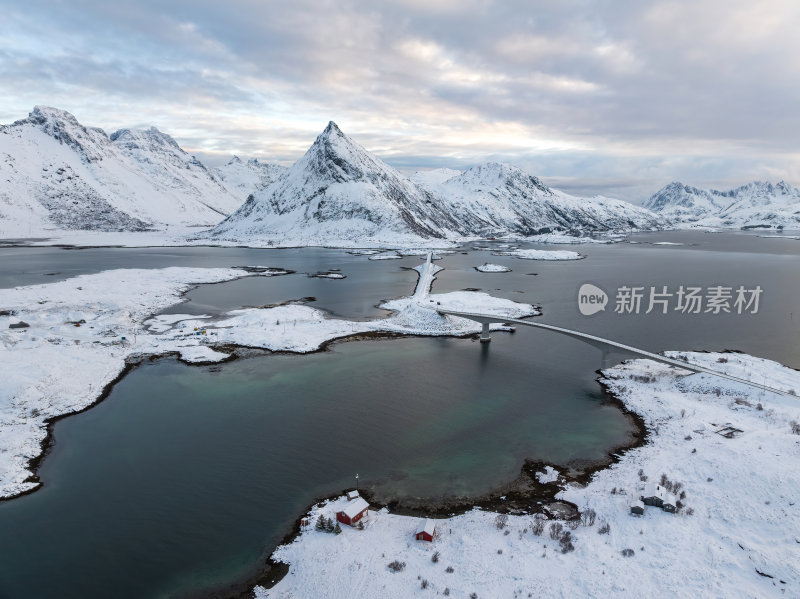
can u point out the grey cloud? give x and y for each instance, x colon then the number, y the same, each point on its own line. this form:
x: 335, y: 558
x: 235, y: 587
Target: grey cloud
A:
x: 623, y: 90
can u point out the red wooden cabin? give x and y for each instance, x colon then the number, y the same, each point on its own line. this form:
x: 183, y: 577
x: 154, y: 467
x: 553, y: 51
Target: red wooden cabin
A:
x: 354, y: 511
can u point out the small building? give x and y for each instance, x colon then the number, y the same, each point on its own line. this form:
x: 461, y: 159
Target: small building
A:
x: 425, y: 530
x: 352, y: 495
x: 654, y: 495
x: 670, y: 504
x: 304, y: 522
x: 637, y: 507
x: 353, y: 512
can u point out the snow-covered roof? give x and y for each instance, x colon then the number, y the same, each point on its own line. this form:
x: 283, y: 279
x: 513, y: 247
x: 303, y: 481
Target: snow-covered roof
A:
x: 352, y: 494
x: 670, y: 499
x: 355, y: 507
x: 654, y: 490
x: 638, y: 503
x: 426, y: 525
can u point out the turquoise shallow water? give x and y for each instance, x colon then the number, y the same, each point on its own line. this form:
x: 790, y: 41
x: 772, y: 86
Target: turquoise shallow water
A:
x: 186, y: 477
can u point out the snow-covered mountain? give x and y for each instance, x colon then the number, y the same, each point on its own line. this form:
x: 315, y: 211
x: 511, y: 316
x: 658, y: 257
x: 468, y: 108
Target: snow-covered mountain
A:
x: 755, y: 205
x: 496, y: 199
x: 243, y: 178
x: 165, y: 163
x: 340, y: 193
x: 56, y: 174
x: 434, y: 176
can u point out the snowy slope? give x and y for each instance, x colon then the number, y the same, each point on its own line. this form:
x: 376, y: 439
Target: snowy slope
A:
x: 165, y: 163
x: 340, y: 193
x: 754, y: 205
x: 243, y: 178
x: 496, y: 199
x: 434, y: 176
x: 56, y: 174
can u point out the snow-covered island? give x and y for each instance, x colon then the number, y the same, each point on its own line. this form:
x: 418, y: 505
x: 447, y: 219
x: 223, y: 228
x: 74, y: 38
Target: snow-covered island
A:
x: 63, y: 344
x: 487, y: 267
x: 532, y: 254
x: 724, y: 456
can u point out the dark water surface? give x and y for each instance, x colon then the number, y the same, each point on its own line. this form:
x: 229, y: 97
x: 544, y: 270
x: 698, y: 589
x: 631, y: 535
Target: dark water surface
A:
x: 185, y: 477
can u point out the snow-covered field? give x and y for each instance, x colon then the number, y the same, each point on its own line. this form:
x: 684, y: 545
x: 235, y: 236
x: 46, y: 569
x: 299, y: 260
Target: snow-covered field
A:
x: 736, y: 534
x: 82, y: 331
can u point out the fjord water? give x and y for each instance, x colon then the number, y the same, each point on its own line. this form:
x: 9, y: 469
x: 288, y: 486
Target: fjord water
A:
x: 185, y: 478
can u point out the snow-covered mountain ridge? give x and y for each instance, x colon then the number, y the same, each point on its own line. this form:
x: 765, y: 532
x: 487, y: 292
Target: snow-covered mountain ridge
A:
x: 339, y: 193
x: 497, y: 199
x: 56, y: 174
x: 243, y: 178
x: 755, y: 205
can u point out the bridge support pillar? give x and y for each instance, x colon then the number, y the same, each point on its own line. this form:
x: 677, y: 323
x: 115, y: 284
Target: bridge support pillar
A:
x: 485, y: 333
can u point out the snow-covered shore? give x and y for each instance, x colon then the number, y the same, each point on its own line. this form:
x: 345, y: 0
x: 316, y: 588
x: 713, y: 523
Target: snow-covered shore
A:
x: 735, y: 536
x: 83, y: 331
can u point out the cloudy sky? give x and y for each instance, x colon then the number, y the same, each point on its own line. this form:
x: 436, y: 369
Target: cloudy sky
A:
x: 603, y: 96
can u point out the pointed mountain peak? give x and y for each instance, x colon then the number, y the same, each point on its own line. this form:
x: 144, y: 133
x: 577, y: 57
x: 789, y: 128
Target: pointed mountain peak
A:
x: 332, y: 129
x: 234, y: 160
x: 339, y: 158
x: 332, y: 136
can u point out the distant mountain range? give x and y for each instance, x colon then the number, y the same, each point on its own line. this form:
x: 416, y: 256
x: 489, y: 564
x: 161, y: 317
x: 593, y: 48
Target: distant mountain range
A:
x: 56, y: 174
x: 752, y: 206
x: 339, y: 193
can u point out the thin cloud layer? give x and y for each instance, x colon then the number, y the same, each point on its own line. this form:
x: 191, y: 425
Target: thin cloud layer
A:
x: 612, y: 97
